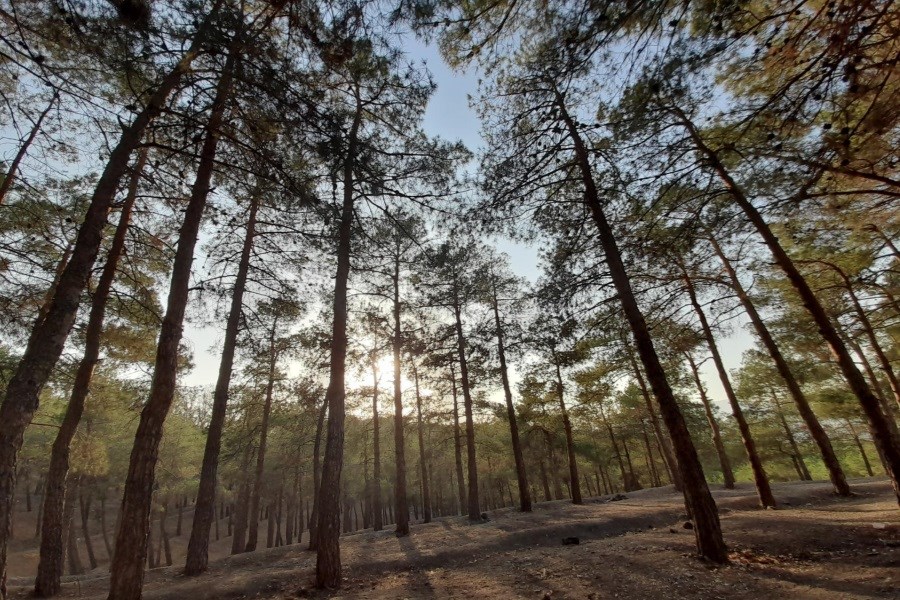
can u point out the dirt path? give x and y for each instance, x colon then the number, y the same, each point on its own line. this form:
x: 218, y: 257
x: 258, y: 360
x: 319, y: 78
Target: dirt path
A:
x: 815, y: 546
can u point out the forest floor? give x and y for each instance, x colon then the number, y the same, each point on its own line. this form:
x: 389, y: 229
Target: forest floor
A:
x: 814, y: 546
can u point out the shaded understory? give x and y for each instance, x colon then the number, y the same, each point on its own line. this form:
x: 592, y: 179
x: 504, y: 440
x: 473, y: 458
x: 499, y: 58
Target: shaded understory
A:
x: 814, y: 546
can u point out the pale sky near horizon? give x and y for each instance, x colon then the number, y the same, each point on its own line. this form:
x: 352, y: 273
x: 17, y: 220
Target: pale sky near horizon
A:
x: 449, y: 116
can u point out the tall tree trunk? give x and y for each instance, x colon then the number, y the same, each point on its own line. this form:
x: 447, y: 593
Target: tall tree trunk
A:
x: 862, y: 450
x: 884, y: 440
x: 328, y: 557
x: 798, y: 456
x: 473, y: 501
x: 400, y: 496
x: 651, y: 464
x: 615, y: 445
x: 317, y: 478
x: 84, y: 505
x: 127, y: 573
x: 257, y: 491
x: 423, y: 466
x: 662, y: 440
x: 71, y: 536
x: 50, y: 566
x: 457, y: 446
x: 763, y: 489
x: 829, y: 458
x: 103, y: 530
x: 241, y: 508
x: 13, y: 170
x: 545, y: 480
x: 724, y: 462
x: 707, y: 529
x: 521, y: 472
x: 378, y: 523
x: 164, y: 534
x: 197, y: 559
x: 870, y: 333
x: 570, y: 442
x: 48, y: 336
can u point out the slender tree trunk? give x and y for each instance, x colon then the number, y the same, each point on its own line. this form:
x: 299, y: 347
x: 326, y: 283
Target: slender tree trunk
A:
x: 545, y: 481
x: 197, y: 559
x: 801, y: 464
x: 618, y: 455
x: 71, y: 536
x: 457, y: 445
x: 164, y: 534
x: 103, y: 530
x: 241, y: 508
x: 48, y: 337
x: 473, y: 500
x: 317, y: 478
x: 400, y: 498
x: 829, y: 458
x: 570, y: 442
x: 861, y: 449
x: 651, y: 466
x: 270, y: 525
x: 884, y: 440
x: 328, y: 557
x: 84, y: 505
x: 521, y: 472
x: 724, y: 461
x: 23, y: 150
x: 50, y: 566
x: 763, y: 489
x: 662, y: 440
x: 423, y: 466
x: 698, y: 499
x: 870, y: 334
x: 258, y: 491
x: 876, y: 388
x: 378, y: 524
x: 127, y: 573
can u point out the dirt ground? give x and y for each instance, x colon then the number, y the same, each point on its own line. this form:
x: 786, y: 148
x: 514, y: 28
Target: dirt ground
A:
x: 814, y: 546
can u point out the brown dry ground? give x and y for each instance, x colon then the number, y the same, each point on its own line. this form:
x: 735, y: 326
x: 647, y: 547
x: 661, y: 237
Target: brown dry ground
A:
x: 814, y: 546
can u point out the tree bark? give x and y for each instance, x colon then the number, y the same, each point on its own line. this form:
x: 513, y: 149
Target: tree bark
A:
x: 473, y: 500
x: 84, y: 506
x: 521, y: 473
x: 861, y: 449
x: 378, y: 523
x: 328, y: 556
x: 50, y: 566
x: 127, y: 573
x: 164, y: 534
x: 197, y: 559
x: 890, y: 448
x: 317, y: 477
x: 798, y: 456
x: 763, y: 489
x: 423, y: 466
x: 724, y: 462
x: 401, y: 507
x: 574, y: 484
x: 662, y: 440
x: 829, y: 458
x: 49, y: 334
x: 241, y: 508
x: 457, y: 446
x: 258, y: 483
x: 707, y: 528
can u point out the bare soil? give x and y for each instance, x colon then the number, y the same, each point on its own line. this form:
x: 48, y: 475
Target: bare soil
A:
x: 814, y: 546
